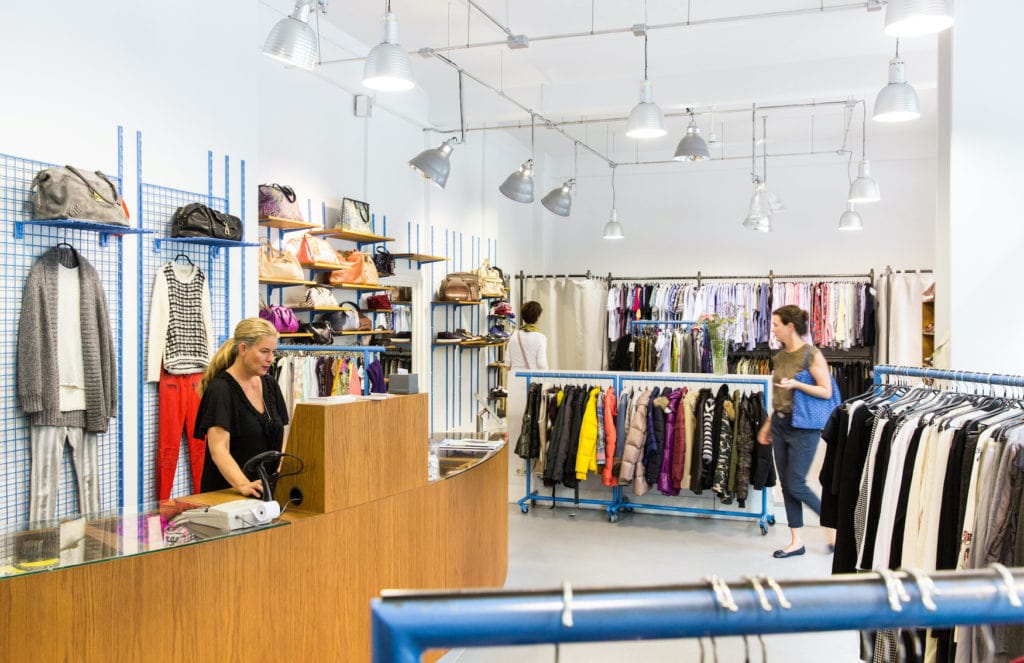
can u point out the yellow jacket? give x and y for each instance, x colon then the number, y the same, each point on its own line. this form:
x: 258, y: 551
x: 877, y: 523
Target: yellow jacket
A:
x: 586, y: 453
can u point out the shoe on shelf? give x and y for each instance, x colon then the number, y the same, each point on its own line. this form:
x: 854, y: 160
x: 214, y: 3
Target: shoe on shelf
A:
x: 782, y: 554
x: 447, y: 337
x: 498, y: 331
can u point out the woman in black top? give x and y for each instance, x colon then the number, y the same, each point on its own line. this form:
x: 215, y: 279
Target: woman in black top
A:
x: 242, y: 412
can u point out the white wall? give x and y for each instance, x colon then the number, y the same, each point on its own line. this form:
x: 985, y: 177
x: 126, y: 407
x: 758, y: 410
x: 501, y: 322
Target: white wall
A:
x: 983, y: 180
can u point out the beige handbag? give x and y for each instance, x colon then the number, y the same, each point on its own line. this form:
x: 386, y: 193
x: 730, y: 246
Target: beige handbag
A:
x: 492, y: 283
x: 277, y: 264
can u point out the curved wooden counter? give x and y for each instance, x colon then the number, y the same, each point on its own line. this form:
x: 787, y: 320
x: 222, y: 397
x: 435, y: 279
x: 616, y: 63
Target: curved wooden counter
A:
x: 294, y: 593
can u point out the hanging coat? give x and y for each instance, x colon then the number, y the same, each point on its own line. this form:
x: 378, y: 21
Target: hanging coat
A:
x: 636, y: 435
x: 586, y: 455
x: 665, y: 484
x: 611, y: 437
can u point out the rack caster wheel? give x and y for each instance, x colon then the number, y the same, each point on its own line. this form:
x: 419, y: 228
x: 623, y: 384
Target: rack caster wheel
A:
x: 771, y: 520
x: 613, y: 517
x: 525, y: 508
x: 764, y: 531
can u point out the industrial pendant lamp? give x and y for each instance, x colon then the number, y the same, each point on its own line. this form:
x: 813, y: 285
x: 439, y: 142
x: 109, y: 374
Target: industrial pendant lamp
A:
x: 388, y: 68
x: 850, y: 220
x: 292, y: 40
x: 864, y: 189
x: 916, y: 18
x: 519, y: 185
x: 559, y: 200
x: 646, y: 119
x: 763, y: 203
x: 435, y: 164
x: 692, y: 147
x: 613, y: 229
x: 897, y: 101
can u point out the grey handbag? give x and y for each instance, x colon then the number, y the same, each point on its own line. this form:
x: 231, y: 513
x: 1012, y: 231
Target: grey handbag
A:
x: 68, y: 193
x: 355, y: 216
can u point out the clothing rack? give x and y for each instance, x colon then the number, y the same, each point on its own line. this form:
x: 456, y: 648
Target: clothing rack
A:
x: 633, y: 324
x: 404, y: 624
x: 364, y: 351
x: 619, y: 502
x: 997, y: 379
x: 699, y: 277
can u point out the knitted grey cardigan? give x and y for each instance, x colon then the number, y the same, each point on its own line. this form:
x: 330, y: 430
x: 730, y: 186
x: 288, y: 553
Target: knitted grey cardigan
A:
x: 38, y: 376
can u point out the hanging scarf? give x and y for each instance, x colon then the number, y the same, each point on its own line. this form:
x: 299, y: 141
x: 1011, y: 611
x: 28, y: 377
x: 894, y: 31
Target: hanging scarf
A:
x: 529, y: 328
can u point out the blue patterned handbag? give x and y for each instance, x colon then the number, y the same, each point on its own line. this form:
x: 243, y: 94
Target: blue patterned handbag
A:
x: 811, y: 412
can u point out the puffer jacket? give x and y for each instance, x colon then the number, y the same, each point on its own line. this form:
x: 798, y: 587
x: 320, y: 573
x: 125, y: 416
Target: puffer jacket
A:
x: 690, y: 424
x: 656, y: 439
x: 667, y: 456
x: 745, y: 440
x: 611, y: 413
x: 586, y: 454
x: 636, y: 435
x: 579, y: 406
x: 552, y: 469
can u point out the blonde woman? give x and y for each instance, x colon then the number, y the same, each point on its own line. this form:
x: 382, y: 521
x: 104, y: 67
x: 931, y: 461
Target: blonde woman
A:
x: 242, y: 412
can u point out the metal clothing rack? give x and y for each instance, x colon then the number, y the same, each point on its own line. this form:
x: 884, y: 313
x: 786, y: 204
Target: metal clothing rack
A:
x: 997, y: 379
x: 619, y: 501
x: 366, y: 351
x: 404, y: 624
x: 633, y: 324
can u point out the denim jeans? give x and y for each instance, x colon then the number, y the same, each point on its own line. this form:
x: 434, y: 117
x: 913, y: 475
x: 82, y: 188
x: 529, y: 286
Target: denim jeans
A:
x: 794, y: 451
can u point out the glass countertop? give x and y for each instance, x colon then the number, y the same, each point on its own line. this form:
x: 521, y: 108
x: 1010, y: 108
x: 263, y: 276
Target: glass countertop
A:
x: 457, y: 452
x: 44, y: 546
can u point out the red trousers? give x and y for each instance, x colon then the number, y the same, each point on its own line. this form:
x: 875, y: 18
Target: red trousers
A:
x: 178, y: 404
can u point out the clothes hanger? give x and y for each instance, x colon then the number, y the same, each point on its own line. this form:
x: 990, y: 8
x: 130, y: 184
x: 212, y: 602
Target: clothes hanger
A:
x: 187, y: 259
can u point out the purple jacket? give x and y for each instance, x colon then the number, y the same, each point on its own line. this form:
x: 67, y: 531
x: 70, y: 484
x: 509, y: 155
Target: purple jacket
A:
x: 665, y: 478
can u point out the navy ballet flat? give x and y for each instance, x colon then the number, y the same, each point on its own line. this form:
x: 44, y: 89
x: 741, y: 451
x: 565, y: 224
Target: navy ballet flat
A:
x: 780, y: 554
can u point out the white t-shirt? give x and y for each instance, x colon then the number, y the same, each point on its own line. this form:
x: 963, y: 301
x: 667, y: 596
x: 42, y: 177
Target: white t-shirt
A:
x: 70, y: 362
x: 527, y: 351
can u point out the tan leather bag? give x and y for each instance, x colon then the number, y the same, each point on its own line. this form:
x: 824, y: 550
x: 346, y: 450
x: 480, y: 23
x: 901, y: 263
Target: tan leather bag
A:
x: 459, y: 287
x: 277, y: 264
x: 492, y: 282
x: 370, y: 274
x: 353, y: 272
x: 316, y: 250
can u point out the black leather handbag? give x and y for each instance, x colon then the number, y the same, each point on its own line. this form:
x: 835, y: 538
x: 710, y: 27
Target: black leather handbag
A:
x: 384, y: 262
x: 321, y: 331
x: 198, y: 220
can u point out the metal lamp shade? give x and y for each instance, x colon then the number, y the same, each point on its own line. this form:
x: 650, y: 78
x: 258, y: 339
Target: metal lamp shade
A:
x: 897, y: 101
x: 864, y: 189
x: 434, y: 164
x: 646, y: 119
x: 559, y: 201
x: 850, y: 220
x: 388, y: 67
x: 293, y: 42
x: 613, y: 229
x: 916, y: 18
x: 759, y: 214
x: 692, y: 147
x: 519, y: 185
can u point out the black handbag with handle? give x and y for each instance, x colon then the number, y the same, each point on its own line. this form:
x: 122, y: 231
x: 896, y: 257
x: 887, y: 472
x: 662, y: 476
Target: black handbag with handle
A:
x: 198, y: 220
x: 384, y: 261
x: 321, y: 331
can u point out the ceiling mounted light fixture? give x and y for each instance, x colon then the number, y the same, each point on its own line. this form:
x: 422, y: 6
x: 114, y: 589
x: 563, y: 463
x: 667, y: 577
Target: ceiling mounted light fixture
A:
x: 434, y: 164
x: 897, y: 101
x: 559, y: 200
x: 519, y: 185
x: 916, y: 18
x: 292, y: 40
x: 613, y: 229
x: 864, y: 189
x: 646, y: 119
x: 692, y: 147
x: 850, y: 220
x: 763, y: 203
x: 388, y: 67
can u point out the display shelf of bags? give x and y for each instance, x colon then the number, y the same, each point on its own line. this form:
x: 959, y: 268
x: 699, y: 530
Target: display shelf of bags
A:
x: 369, y: 332
x: 295, y: 335
x: 470, y: 302
x: 324, y: 266
x: 356, y: 286
x: 216, y: 244
x: 105, y: 230
x: 286, y: 224
x: 419, y: 257
x: 359, y: 238
x: 319, y: 308
x: 284, y: 283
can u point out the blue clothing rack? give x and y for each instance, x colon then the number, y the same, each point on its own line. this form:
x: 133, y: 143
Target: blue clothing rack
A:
x: 619, y: 502
x: 405, y: 624
x: 953, y: 376
x: 368, y: 352
x: 633, y: 324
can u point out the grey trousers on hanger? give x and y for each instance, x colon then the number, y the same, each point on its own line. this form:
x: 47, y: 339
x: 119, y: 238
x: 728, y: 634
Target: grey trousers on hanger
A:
x: 47, y: 449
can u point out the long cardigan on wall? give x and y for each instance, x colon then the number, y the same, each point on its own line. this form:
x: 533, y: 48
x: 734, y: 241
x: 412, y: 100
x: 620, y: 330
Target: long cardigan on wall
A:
x: 38, y: 374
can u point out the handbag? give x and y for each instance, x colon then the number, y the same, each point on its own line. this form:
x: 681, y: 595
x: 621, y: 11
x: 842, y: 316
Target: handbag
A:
x: 313, y: 250
x: 318, y: 296
x: 353, y: 272
x: 277, y: 264
x: 321, y: 331
x: 384, y: 261
x: 491, y: 279
x: 355, y: 216
x: 282, y: 317
x: 811, y: 412
x: 279, y: 202
x: 198, y: 220
x: 67, y: 193
x: 370, y: 274
x: 378, y: 302
x: 459, y: 287
x: 344, y: 320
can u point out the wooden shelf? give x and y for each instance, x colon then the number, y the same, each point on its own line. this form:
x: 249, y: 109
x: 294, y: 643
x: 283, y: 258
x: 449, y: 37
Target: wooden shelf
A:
x: 286, y: 282
x: 358, y: 286
x: 295, y: 335
x: 496, y: 365
x: 463, y: 303
x: 928, y: 333
x: 320, y: 308
x: 351, y: 236
x: 419, y: 257
x: 403, y: 302
x: 286, y: 224
x: 364, y: 333
x: 323, y: 266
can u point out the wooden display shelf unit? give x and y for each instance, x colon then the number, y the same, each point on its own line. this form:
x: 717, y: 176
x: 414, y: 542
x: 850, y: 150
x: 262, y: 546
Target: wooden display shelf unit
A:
x: 286, y: 224
x: 419, y: 257
x: 295, y: 335
x: 383, y: 332
x: 351, y: 236
x: 323, y: 266
x: 286, y: 282
x: 473, y: 302
x: 318, y: 308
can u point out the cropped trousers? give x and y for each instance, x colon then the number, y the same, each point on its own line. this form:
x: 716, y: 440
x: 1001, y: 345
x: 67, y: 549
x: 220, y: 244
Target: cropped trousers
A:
x: 794, y: 452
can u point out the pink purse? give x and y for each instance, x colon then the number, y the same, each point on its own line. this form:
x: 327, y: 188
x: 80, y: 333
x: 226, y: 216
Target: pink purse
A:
x: 282, y: 317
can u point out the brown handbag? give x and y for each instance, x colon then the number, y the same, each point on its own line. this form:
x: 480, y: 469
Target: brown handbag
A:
x: 277, y: 264
x: 459, y: 287
x: 353, y: 272
x: 315, y: 250
x: 370, y: 274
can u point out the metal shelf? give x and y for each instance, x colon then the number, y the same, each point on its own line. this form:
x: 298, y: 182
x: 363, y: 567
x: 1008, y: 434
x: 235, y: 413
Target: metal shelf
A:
x: 284, y: 283
x: 104, y: 229
x: 285, y: 224
x: 215, y: 244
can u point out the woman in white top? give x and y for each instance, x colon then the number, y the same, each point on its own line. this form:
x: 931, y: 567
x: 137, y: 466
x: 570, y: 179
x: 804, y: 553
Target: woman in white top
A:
x: 527, y: 347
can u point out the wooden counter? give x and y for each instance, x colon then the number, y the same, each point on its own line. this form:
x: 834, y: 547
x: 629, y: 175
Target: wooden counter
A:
x: 295, y: 593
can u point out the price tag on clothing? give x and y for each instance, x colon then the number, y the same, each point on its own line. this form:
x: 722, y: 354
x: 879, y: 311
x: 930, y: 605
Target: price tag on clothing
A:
x: 632, y: 346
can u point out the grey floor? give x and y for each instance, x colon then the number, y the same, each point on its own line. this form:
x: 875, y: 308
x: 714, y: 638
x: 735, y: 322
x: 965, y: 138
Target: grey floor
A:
x: 547, y: 546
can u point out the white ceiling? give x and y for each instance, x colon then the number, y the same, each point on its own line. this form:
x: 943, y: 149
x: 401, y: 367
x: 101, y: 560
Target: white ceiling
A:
x: 813, y: 50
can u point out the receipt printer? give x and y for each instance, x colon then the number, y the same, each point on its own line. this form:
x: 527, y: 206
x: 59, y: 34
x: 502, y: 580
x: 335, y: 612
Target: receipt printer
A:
x: 406, y: 383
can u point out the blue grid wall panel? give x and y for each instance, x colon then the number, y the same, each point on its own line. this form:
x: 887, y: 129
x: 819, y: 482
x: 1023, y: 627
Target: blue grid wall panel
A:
x: 19, y: 255
x: 158, y: 206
